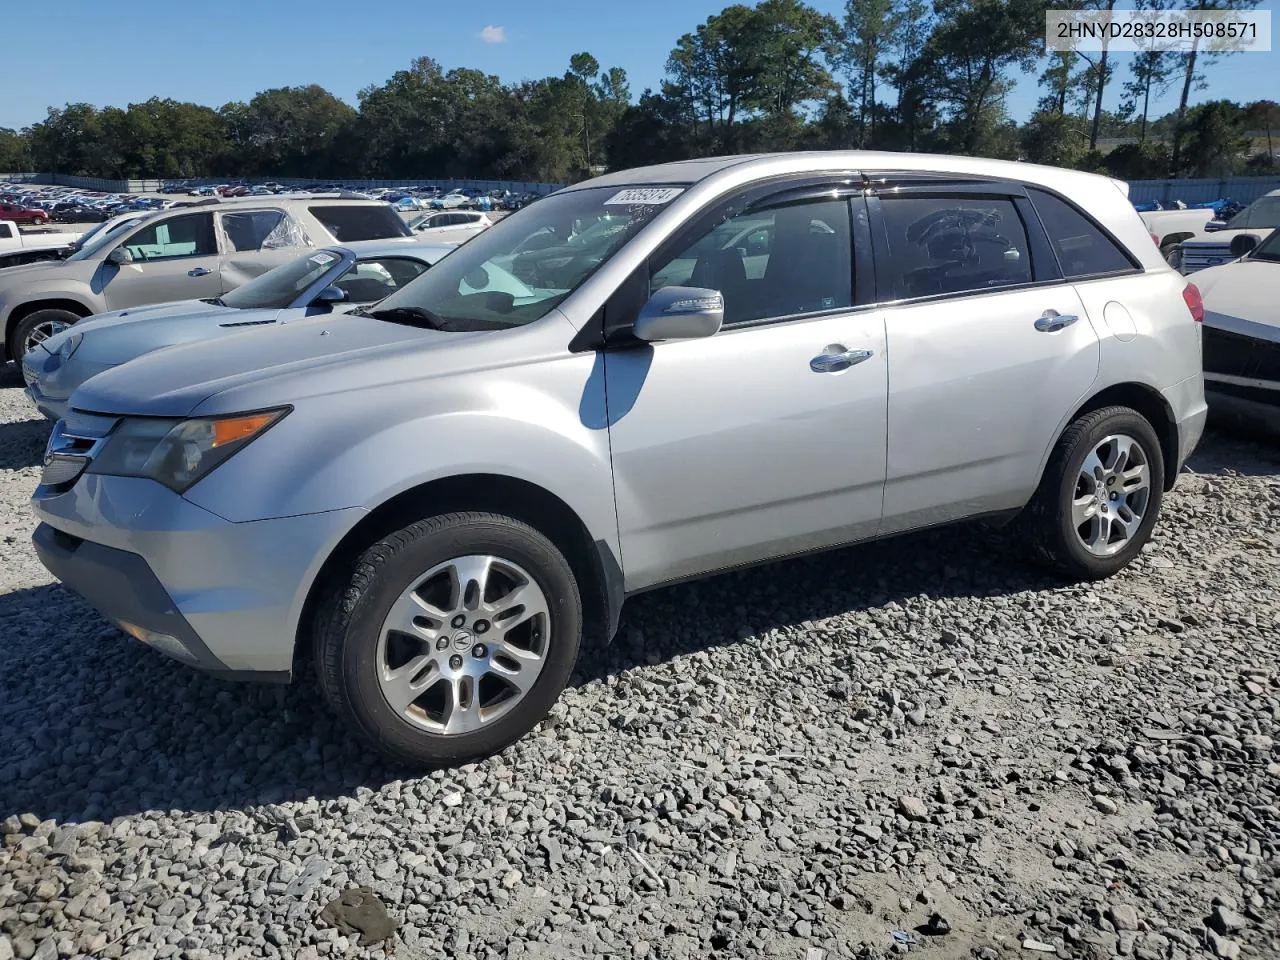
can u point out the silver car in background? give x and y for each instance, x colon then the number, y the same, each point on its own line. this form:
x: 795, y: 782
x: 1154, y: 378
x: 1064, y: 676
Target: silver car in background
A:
x: 700, y: 365
x: 322, y: 282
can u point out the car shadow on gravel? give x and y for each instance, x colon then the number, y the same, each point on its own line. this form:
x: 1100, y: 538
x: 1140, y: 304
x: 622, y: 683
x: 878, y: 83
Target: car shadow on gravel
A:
x: 1227, y: 449
x: 95, y: 726
x: 22, y: 443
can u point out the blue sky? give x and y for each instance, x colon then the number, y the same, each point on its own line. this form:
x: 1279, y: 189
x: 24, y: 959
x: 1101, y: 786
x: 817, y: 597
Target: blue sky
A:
x: 114, y: 54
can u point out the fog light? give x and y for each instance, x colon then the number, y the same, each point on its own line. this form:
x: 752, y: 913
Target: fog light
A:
x: 169, y: 646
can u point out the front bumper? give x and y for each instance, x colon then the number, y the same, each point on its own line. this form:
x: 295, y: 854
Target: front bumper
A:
x: 225, y: 597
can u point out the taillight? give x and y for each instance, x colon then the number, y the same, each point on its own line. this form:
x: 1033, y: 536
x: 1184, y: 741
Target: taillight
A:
x: 1195, y: 302
x: 1155, y: 238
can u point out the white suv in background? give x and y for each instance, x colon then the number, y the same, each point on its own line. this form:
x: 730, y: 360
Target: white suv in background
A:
x: 451, y: 225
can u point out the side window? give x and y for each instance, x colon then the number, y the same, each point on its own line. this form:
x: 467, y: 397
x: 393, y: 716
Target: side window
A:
x: 349, y: 223
x: 940, y: 245
x: 1082, y: 249
x: 250, y: 230
x: 186, y: 236
x: 375, y: 278
x: 6, y: 232
x: 770, y: 261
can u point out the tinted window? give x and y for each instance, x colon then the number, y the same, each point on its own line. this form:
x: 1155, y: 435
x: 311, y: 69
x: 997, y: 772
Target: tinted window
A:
x: 1082, y: 249
x: 1262, y: 213
x: 247, y: 231
x: 940, y: 245
x: 6, y: 232
x: 770, y: 261
x: 372, y: 222
x: 375, y: 278
x: 188, y: 236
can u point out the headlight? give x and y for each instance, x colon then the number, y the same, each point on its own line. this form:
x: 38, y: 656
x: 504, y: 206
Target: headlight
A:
x: 177, y: 453
x: 69, y: 346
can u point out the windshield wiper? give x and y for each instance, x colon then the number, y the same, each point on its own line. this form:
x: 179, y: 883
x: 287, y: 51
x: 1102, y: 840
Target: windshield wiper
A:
x: 411, y: 315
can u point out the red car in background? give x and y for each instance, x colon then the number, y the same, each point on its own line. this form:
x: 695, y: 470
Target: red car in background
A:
x: 18, y: 214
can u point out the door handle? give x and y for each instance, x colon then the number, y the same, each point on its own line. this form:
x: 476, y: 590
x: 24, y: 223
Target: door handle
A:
x: 1051, y: 321
x: 837, y: 358
x: 198, y: 272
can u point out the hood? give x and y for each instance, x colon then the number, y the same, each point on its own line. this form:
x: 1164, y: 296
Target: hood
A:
x: 52, y: 269
x: 118, y: 338
x: 132, y: 315
x: 265, y: 366
x: 1241, y: 295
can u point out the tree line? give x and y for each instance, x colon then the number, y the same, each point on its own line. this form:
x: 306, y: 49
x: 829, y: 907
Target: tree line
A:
x: 779, y: 75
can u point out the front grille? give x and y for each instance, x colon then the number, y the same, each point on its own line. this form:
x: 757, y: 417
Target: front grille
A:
x: 1200, y: 256
x: 66, y: 456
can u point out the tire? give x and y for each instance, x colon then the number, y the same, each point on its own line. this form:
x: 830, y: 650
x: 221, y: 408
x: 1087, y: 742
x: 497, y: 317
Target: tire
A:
x: 1047, y: 524
x: 28, y: 326
x: 1172, y: 253
x: 356, y: 656
x: 39, y: 221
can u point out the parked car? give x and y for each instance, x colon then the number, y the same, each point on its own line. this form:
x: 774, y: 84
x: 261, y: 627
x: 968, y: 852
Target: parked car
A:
x: 17, y: 248
x: 1242, y: 337
x: 330, y: 280
x: 442, y: 502
x: 1223, y: 242
x: 455, y: 225
x: 1170, y: 227
x: 187, y: 253
x: 20, y: 213
x: 450, y: 201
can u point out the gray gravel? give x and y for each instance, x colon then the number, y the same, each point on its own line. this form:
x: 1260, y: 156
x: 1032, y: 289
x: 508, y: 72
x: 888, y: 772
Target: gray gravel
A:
x: 919, y: 736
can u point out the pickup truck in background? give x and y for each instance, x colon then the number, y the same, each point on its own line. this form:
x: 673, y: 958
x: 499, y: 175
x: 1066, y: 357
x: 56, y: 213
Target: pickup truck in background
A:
x: 1170, y: 227
x: 17, y: 248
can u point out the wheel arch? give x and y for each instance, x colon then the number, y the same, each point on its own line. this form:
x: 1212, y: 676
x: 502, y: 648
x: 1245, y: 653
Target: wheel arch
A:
x: 1175, y: 238
x: 1154, y: 408
x: 24, y: 310
x: 594, y: 564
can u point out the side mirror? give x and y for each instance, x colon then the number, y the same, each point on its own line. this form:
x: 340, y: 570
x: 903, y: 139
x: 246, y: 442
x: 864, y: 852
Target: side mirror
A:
x: 1243, y: 244
x: 680, y: 313
x: 119, y: 256
x: 330, y: 296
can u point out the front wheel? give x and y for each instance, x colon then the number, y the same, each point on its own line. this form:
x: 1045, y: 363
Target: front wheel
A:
x: 452, y: 638
x: 1099, y: 497
x: 35, y: 328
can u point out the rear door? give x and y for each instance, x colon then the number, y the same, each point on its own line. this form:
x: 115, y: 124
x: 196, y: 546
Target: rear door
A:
x: 989, y: 348
x: 255, y: 241
x: 172, y: 259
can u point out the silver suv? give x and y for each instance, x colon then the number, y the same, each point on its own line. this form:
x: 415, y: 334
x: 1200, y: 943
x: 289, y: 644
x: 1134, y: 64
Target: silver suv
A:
x: 647, y: 377
x: 186, y: 253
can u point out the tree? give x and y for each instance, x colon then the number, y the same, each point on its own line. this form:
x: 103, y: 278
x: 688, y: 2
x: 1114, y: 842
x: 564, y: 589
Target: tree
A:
x: 289, y: 131
x: 1193, y: 65
x: 1213, y: 139
x: 1152, y: 74
x: 968, y: 56
x: 869, y: 26
x: 14, y: 155
x: 1056, y: 138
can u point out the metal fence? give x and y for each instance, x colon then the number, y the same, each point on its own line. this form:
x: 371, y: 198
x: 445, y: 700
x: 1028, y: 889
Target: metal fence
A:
x: 152, y: 186
x: 1164, y: 192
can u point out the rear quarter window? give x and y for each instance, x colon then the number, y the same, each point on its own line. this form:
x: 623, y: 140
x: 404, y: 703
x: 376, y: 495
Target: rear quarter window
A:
x: 360, y: 222
x: 1083, y: 249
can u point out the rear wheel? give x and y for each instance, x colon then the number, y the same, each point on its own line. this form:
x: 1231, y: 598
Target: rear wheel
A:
x: 452, y: 638
x: 1100, y: 495
x: 35, y: 328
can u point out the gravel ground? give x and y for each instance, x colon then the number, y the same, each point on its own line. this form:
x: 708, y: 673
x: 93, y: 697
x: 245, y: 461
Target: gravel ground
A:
x: 793, y: 762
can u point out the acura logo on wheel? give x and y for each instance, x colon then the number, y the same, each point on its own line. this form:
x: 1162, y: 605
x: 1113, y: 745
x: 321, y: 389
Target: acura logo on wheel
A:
x: 461, y: 641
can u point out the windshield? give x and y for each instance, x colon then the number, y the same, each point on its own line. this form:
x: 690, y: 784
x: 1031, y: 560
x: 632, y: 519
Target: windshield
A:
x: 1268, y: 249
x: 276, y: 289
x: 1264, y: 212
x: 517, y: 271
x: 108, y: 236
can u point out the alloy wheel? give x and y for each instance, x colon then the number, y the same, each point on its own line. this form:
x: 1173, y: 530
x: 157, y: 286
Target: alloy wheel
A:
x: 463, y: 644
x: 1111, y: 494
x: 42, y: 332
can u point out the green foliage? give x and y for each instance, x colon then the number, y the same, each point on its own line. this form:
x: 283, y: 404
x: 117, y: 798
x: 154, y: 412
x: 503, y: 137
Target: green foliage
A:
x: 917, y: 75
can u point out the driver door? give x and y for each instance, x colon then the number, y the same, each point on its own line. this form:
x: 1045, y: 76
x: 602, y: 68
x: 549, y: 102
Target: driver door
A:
x: 172, y: 259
